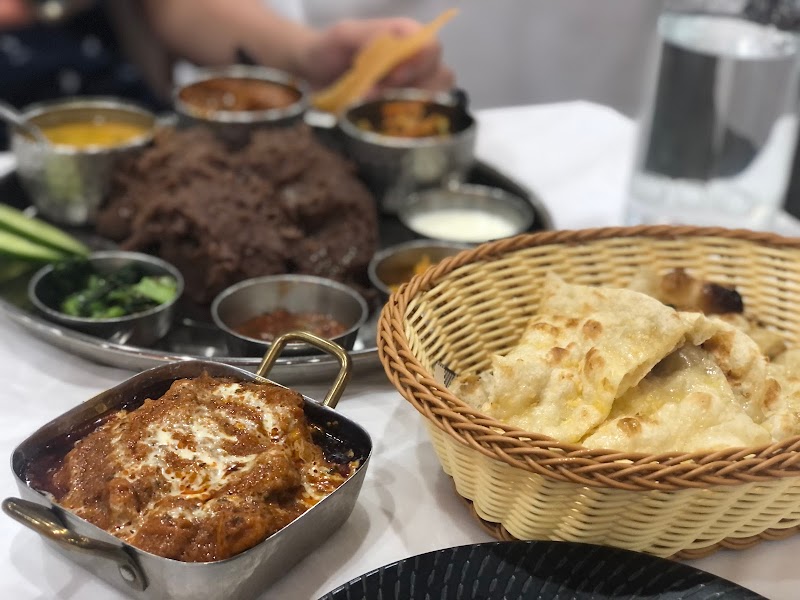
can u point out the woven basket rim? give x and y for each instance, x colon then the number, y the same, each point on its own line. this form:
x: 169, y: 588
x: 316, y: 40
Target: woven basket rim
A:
x: 635, y: 471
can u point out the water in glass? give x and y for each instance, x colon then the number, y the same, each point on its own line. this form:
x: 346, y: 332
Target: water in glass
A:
x: 716, y: 145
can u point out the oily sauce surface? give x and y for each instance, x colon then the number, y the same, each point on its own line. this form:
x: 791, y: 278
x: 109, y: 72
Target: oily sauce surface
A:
x: 237, y: 94
x: 94, y: 133
x: 271, y: 325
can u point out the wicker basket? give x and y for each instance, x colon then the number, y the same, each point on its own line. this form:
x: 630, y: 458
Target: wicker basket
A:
x: 528, y: 486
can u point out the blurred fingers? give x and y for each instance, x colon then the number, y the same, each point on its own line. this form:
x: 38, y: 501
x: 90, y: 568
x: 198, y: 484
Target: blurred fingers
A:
x: 442, y: 80
x: 424, y: 65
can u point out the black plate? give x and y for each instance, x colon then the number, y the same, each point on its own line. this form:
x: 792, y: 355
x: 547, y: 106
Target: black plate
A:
x: 537, y: 570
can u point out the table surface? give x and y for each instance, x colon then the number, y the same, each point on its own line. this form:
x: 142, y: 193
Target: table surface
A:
x: 577, y: 157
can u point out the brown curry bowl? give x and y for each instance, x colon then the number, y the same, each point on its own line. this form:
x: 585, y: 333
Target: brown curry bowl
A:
x: 234, y: 100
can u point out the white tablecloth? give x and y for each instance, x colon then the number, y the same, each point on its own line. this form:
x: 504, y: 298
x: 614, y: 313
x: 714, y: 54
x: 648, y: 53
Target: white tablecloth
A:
x: 576, y: 157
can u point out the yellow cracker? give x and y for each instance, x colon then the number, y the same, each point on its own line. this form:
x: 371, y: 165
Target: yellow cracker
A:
x: 374, y: 62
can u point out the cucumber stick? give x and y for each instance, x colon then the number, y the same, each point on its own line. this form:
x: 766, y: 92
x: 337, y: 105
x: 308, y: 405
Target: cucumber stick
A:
x: 23, y: 248
x: 12, y: 267
x: 36, y: 231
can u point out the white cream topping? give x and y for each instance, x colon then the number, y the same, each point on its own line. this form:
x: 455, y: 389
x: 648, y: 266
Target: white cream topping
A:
x: 200, y: 441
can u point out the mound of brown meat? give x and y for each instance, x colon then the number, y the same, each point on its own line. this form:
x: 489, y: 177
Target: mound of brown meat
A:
x: 283, y: 203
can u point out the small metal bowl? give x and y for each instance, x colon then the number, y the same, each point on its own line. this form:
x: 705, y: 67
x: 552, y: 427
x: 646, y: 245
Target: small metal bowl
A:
x: 234, y: 126
x: 139, y: 329
x: 393, y: 167
x: 67, y: 184
x: 294, y: 293
x: 395, y: 265
x: 485, y: 213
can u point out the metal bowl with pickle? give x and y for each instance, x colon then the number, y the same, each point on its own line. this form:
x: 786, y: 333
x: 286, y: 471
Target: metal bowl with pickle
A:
x: 409, y: 139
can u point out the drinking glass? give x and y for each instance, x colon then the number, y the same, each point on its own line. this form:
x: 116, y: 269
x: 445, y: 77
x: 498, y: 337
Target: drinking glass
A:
x: 718, y: 135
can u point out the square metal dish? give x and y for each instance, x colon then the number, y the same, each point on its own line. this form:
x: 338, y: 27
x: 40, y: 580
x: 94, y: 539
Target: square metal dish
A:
x: 145, y: 575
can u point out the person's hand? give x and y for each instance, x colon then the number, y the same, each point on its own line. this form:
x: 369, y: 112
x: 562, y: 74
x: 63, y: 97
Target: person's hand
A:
x: 330, y: 53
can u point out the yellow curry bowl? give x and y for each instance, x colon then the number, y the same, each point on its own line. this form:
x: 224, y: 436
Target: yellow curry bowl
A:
x: 67, y: 180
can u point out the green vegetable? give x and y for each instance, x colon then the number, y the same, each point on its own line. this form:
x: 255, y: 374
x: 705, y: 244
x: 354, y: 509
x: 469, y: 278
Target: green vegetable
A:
x: 23, y: 248
x: 38, y: 232
x: 102, y: 296
x: 11, y: 268
x: 26, y: 241
x: 159, y: 289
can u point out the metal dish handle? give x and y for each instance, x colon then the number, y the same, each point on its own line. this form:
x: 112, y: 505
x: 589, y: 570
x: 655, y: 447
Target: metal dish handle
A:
x: 45, y: 522
x: 327, y: 346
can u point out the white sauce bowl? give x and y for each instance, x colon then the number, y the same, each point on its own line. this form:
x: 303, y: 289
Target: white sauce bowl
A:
x: 466, y: 213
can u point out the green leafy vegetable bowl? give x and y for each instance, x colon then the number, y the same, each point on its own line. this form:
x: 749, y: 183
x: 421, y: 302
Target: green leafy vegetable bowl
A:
x: 124, y: 297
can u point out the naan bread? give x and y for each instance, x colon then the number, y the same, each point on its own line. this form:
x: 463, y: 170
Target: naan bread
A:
x: 685, y: 293
x: 684, y: 404
x: 737, y: 354
x: 636, y: 330
x: 586, y: 346
x: 618, y: 369
x: 782, y: 403
x: 789, y: 359
x: 769, y: 342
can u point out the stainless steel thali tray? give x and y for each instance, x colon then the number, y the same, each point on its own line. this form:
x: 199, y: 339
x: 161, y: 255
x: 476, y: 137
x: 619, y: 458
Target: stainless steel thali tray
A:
x: 194, y: 339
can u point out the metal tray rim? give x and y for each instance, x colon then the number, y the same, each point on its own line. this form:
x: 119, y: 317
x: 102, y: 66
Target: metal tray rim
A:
x: 87, y: 345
